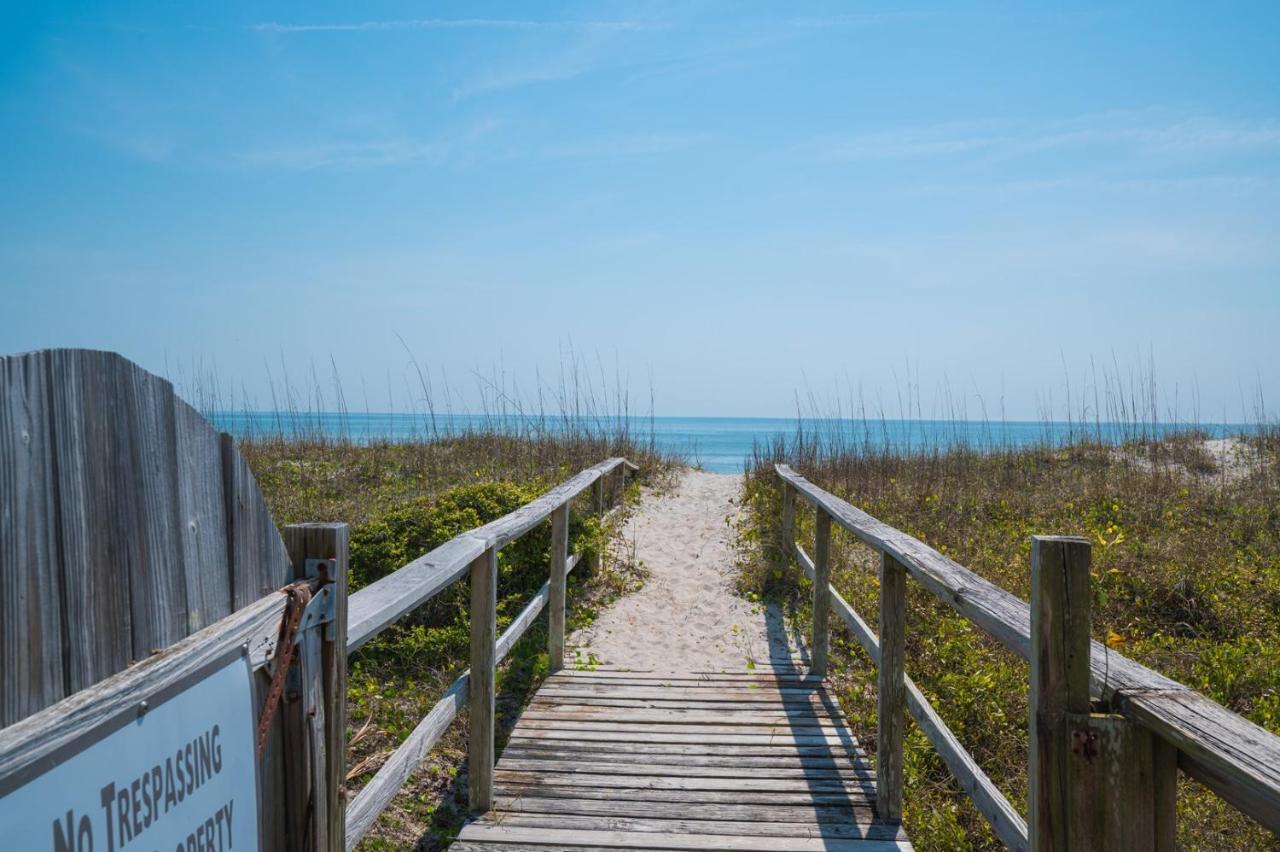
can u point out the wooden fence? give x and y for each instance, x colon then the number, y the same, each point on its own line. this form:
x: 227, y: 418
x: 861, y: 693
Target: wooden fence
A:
x: 1097, y: 780
x: 136, y: 550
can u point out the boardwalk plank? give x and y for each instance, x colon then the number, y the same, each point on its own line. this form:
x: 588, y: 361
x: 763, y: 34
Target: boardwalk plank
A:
x: 620, y: 761
x: 781, y: 798
x: 862, y: 812
x: 670, y: 824
x: 573, y: 838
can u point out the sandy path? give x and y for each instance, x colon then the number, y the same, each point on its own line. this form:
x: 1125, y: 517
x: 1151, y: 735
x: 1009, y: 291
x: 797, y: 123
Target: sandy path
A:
x: 687, y: 617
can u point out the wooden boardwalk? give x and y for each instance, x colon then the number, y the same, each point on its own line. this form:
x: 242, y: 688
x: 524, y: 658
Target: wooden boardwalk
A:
x: 614, y: 759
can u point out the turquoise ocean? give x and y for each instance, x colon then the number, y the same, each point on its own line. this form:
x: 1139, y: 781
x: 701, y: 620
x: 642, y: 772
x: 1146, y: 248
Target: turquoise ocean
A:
x: 719, y: 444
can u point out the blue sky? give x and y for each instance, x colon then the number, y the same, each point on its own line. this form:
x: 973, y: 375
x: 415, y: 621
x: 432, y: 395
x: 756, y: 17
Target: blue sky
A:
x: 730, y: 202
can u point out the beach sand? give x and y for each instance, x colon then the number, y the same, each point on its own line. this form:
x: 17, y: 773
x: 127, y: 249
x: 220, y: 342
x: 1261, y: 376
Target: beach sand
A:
x: 687, y: 617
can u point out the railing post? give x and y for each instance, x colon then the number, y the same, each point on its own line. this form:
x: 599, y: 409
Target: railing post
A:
x: 323, y: 657
x: 1060, y: 600
x: 892, y: 689
x: 484, y: 586
x: 788, y: 543
x: 556, y: 586
x: 821, y: 591
x: 598, y: 493
x: 1164, y: 794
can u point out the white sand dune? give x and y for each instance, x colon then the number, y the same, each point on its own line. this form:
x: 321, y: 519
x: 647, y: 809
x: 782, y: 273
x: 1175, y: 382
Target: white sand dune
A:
x: 687, y: 617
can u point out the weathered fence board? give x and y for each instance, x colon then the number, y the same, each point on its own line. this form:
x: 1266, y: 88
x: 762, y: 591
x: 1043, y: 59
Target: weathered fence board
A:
x: 129, y: 524
x: 30, y: 635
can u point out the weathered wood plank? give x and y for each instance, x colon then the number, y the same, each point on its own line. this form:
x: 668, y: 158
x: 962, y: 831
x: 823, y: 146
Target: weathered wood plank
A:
x: 498, y: 533
x: 787, y: 531
x: 640, y: 840
x: 767, y: 706
x: 259, y: 562
x: 1235, y: 758
x: 480, y: 703
x: 202, y: 518
x: 1110, y: 773
x: 765, y: 692
x: 150, y: 500
x: 559, y: 713
x: 673, y: 824
x: 605, y: 749
x: 661, y: 782
x: 32, y: 672
x: 390, y: 598
x: 1060, y: 600
x: 708, y: 679
x: 821, y: 593
x: 783, y: 731
x: 891, y: 692
x: 328, y: 542
x: 772, y: 798
x: 36, y: 737
x: 711, y: 738
x: 557, y: 586
x: 786, y: 759
x: 95, y: 559
x: 540, y: 763
x: 861, y: 812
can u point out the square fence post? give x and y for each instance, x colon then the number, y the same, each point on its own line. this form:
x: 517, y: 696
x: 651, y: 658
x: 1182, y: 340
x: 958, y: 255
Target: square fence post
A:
x: 480, y: 701
x: 891, y: 699
x: 787, y: 545
x: 1059, y: 681
x: 557, y: 586
x: 821, y: 592
x: 322, y: 670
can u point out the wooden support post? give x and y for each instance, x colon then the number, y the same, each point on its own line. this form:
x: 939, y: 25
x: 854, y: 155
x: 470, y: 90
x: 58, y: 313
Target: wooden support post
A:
x: 556, y: 586
x: 1164, y: 772
x: 322, y: 667
x: 484, y: 634
x: 821, y: 592
x: 1112, y: 784
x: 788, y: 542
x: 893, y: 689
x: 1059, y: 683
x: 598, y: 493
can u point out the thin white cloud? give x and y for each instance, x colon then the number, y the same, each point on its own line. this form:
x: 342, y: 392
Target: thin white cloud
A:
x: 871, y: 18
x: 1148, y: 132
x: 488, y: 82
x: 639, y: 145
x: 369, y: 153
x: 447, y: 24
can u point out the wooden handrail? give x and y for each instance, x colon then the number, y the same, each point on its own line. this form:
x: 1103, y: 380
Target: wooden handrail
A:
x: 1238, y: 760
x: 375, y: 607
x: 386, y: 600
x: 1000, y: 814
x: 33, y: 740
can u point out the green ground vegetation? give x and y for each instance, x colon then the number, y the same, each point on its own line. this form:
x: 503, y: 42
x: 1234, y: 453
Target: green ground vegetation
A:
x: 1186, y: 579
x: 402, y: 500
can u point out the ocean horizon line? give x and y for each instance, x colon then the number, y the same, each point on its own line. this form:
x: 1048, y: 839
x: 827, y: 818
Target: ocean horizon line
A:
x: 718, y: 444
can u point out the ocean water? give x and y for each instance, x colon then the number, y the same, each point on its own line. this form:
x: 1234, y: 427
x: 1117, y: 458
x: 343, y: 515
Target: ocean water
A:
x: 719, y: 444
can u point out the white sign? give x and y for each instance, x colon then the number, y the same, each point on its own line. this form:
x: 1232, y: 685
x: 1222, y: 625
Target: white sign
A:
x: 181, y: 777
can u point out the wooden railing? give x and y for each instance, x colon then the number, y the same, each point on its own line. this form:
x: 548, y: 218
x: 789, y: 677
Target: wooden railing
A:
x: 1097, y: 780
x: 380, y: 604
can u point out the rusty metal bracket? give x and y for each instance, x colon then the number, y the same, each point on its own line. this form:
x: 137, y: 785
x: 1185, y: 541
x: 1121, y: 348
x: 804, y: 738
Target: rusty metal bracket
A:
x: 323, y: 570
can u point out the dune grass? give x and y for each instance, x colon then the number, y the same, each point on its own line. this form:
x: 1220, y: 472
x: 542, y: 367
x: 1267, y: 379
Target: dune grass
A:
x: 1186, y: 565
x: 403, y: 499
